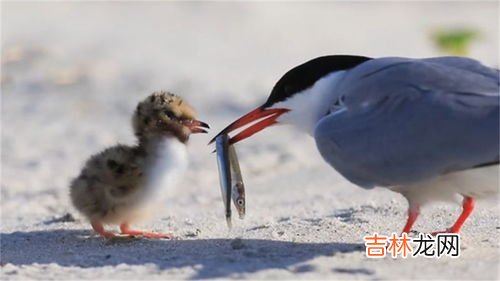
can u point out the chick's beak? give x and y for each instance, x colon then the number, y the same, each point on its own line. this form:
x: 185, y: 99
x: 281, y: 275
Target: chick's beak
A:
x: 196, y: 126
x: 267, y: 118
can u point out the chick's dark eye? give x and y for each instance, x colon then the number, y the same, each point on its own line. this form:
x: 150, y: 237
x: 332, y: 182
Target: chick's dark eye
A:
x: 170, y: 114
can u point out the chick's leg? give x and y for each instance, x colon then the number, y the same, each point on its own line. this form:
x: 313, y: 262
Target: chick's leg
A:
x: 99, y: 228
x: 125, y: 229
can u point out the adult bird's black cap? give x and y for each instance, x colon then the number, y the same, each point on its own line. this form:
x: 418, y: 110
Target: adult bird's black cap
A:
x: 294, y: 81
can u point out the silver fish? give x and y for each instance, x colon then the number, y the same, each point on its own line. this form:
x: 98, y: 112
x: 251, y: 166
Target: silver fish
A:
x: 221, y: 146
x: 238, y: 194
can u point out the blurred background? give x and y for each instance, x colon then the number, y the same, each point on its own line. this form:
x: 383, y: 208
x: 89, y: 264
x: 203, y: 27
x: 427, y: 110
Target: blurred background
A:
x: 73, y: 72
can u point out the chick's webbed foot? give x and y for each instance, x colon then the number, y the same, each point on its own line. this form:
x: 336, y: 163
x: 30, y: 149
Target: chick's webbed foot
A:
x: 99, y: 228
x: 125, y: 229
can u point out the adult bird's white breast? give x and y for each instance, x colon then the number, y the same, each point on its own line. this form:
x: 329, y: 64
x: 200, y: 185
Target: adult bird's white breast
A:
x: 481, y: 182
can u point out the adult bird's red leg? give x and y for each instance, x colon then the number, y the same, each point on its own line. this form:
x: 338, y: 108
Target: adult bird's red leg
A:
x: 99, y: 228
x: 413, y: 213
x: 125, y: 229
x: 467, y: 208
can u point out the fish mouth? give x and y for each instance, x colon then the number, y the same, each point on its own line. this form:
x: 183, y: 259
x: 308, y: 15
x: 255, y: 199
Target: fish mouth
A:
x: 265, y: 116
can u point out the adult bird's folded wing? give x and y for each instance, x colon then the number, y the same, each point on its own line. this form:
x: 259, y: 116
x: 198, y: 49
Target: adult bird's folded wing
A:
x: 407, y: 119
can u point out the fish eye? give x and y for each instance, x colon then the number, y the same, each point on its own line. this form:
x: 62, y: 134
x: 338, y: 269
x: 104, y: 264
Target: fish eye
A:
x: 240, y: 202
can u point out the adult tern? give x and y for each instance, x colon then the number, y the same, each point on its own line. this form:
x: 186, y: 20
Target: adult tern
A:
x: 426, y: 128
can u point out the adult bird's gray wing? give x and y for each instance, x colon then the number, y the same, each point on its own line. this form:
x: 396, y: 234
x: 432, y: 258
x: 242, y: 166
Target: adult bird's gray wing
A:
x: 406, y: 120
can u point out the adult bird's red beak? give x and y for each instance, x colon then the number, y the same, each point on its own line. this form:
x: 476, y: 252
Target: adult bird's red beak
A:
x: 267, y: 118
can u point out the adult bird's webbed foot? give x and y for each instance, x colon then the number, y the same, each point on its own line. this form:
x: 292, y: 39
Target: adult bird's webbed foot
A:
x: 125, y: 229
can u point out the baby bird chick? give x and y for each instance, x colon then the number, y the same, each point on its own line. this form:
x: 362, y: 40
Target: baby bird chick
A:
x: 108, y: 185
x: 124, y: 184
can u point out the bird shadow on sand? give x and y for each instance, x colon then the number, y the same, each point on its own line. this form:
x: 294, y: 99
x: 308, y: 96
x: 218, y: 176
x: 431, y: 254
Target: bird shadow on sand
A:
x: 210, y: 258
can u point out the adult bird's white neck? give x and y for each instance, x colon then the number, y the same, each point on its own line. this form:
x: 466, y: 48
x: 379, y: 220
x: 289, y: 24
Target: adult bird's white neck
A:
x: 310, y: 105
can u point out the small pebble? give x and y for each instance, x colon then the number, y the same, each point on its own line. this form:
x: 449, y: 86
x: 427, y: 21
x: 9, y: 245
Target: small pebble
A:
x: 279, y: 234
x: 193, y: 233
x: 363, y: 271
x: 68, y: 217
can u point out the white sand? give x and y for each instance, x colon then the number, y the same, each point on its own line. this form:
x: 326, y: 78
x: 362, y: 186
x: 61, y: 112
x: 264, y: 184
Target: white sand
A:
x: 75, y: 72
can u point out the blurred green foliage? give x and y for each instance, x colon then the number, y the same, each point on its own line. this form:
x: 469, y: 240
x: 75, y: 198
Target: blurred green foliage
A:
x: 455, y: 42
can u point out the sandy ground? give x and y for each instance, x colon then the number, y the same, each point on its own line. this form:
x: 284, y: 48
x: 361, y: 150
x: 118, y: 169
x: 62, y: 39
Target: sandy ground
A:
x: 73, y: 72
